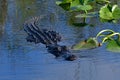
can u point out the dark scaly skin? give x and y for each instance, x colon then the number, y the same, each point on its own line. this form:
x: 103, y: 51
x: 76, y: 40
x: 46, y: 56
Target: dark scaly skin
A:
x: 48, y: 38
x: 58, y: 50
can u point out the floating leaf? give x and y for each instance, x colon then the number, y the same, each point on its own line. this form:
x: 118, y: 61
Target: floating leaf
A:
x: 110, y: 13
x: 113, y: 46
x: 88, y: 44
x: 116, y: 12
x: 105, y: 13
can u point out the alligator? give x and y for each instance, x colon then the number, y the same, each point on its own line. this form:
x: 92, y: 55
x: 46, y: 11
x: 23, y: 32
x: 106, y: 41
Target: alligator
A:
x: 47, y: 37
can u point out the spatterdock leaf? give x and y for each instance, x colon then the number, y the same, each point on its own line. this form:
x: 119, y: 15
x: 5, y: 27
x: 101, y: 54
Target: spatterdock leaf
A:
x: 116, y: 12
x: 113, y: 46
x: 88, y: 44
x: 105, y: 13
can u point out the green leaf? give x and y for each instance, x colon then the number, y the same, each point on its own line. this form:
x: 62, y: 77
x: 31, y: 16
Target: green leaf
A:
x: 116, y: 12
x: 113, y: 46
x: 118, y: 40
x: 105, y: 13
x: 75, y: 3
x: 88, y: 44
x: 58, y: 2
x: 84, y: 7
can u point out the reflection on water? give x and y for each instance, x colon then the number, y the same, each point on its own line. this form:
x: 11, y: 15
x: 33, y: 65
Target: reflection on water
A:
x: 3, y: 12
x: 20, y: 60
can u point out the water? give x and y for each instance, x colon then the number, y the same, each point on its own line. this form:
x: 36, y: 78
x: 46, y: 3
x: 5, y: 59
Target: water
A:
x: 20, y: 60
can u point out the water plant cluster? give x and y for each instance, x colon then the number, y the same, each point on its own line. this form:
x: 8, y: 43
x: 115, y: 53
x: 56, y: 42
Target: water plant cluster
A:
x: 107, y: 36
x: 107, y: 11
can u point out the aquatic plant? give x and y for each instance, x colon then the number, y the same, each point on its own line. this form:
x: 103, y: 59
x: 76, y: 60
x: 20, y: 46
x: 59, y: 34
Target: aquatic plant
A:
x: 107, y: 12
x: 112, y: 39
x: 89, y: 43
x: 110, y: 13
x: 108, y: 36
x: 75, y: 5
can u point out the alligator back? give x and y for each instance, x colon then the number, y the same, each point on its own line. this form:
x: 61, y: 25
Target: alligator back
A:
x: 38, y: 35
x: 48, y: 37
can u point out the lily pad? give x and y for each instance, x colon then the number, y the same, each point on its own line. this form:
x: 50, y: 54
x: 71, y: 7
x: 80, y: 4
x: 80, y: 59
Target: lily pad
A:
x: 86, y: 44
